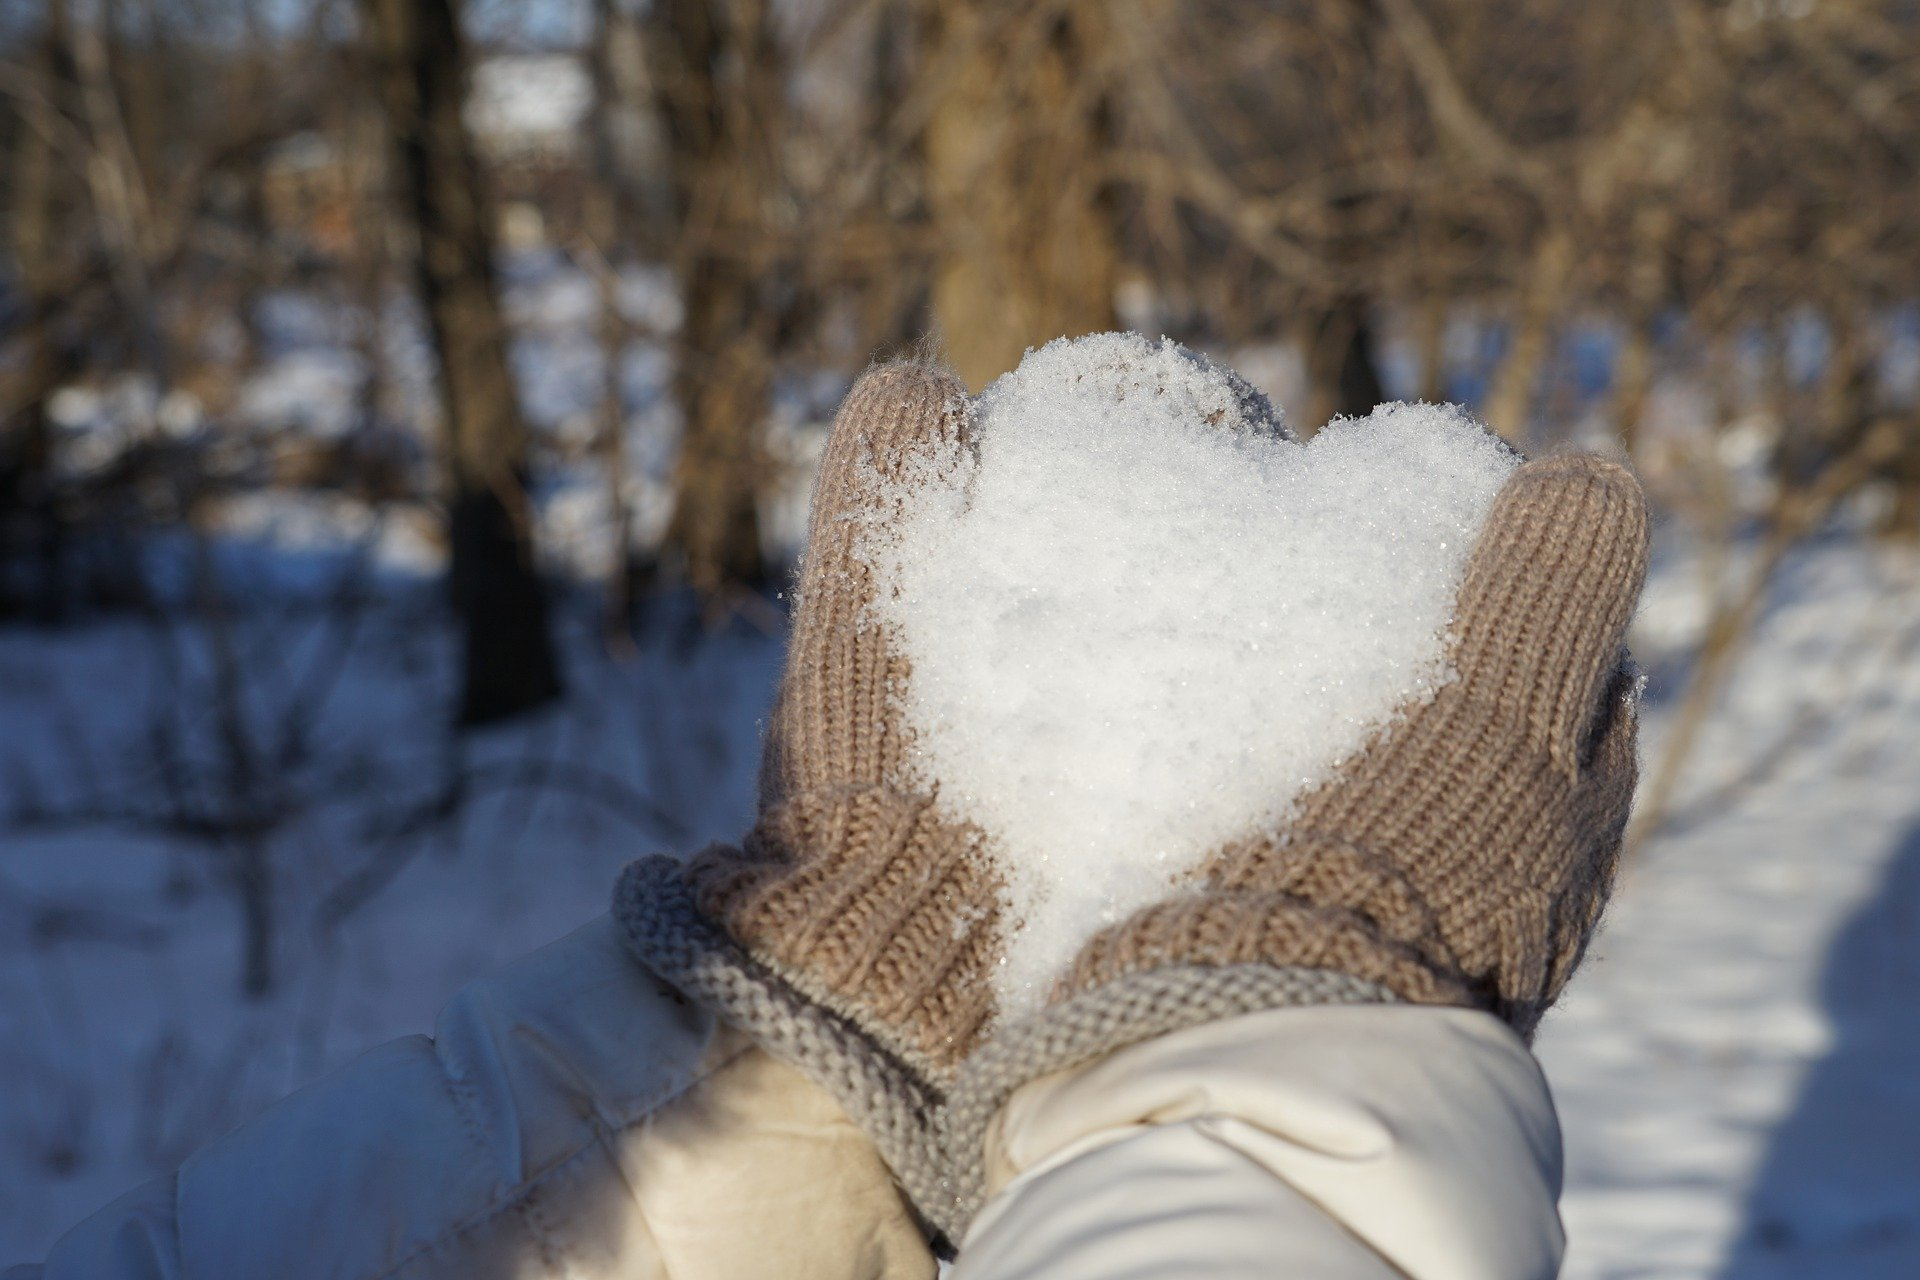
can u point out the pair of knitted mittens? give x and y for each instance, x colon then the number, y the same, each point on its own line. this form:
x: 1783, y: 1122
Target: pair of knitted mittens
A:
x: 1463, y: 858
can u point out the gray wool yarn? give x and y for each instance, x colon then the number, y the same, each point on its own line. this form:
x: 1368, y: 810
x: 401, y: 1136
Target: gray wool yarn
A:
x: 933, y: 1139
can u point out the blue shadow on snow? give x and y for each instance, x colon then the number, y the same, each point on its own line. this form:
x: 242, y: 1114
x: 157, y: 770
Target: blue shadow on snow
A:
x: 1838, y: 1193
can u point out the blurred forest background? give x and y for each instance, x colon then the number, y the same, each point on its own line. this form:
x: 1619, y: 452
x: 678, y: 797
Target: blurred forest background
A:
x: 406, y: 409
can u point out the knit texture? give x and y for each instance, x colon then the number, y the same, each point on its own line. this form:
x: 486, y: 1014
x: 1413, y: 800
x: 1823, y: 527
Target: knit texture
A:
x: 934, y: 1138
x: 891, y: 1102
x: 1091, y: 1024
x: 858, y: 895
x: 1464, y: 856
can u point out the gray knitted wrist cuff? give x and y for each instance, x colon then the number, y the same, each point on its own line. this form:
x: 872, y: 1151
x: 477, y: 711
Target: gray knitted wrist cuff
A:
x: 935, y: 1141
x: 1127, y: 1011
x: 897, y: 1106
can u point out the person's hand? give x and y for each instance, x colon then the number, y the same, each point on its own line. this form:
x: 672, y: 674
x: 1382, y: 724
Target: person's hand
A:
x: 856, y: 890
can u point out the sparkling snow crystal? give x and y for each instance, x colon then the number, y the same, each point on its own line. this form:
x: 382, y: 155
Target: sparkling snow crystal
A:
x: 1144, y: 619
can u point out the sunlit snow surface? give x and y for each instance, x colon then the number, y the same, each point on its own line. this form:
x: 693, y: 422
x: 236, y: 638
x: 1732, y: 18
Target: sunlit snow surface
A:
x: 1738, y: 1066
x: 1142, y: 619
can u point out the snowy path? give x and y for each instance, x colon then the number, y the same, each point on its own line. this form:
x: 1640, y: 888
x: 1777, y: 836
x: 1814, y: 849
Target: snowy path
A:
x: 1738, y: 1069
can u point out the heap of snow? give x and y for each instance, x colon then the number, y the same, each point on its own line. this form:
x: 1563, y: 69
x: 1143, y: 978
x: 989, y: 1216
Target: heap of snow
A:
x: 1143, y: 618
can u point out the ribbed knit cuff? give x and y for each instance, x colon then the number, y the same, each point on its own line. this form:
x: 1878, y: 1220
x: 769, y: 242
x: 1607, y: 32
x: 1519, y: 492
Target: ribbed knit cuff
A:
x: 871, y: 904
x: 893, y: 1103
x: 933, y: 1139
x: 1133, y: 1008
x: 1221, y: 928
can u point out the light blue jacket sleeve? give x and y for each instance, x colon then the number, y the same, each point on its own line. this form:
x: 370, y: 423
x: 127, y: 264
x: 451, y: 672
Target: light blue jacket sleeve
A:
x: 477, y: 1152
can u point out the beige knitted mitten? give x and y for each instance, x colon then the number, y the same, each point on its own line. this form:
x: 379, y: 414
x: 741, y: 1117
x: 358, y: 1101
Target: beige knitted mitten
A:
x: 846, y: 886
x: 1465, y: 855
x: 852, y: 929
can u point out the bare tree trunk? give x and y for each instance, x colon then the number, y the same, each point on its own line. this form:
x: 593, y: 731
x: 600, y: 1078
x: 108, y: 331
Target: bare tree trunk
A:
x: 1646, y: 291
x: 895, y: 302
x: 118, y: 190
x: 720, y: 88
x: 611, y: 212
x: 26, y: 499
x: 1015, y: 182
x: 1542, y: 297
x: 1342, y: 376
x: 509, y: 661
x: 372, y: 261
x: 1633, y: 380
x: 629, y: 152
x: 1433, y: 317
x: 617, y: 606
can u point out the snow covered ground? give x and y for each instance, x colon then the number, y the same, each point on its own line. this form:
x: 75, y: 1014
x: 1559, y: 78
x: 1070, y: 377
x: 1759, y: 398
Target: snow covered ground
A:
x: 153, y: 766
x: 402, y: 867
x: 1738, y: 1068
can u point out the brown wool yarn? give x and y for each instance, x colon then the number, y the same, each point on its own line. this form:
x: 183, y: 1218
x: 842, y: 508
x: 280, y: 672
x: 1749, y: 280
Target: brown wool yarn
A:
x: 1465, y: 855
x: 859, y: 895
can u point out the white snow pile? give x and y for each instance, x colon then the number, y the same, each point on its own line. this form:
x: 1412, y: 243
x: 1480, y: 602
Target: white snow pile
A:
x: 1143, y: 618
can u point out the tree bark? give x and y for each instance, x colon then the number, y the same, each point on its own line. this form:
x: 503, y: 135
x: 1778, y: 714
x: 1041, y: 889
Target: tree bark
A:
x: 509, y: 664
x: 630, y: 159
x: 719, y: 89
x: 30, y: 525
x: 1016, y: 186
x: 613, y: 214
x: 895, y: 301
x: 1433, y: 318
x: 1646, y: 294
x: 1542, y: 298
x: 1341, y: 370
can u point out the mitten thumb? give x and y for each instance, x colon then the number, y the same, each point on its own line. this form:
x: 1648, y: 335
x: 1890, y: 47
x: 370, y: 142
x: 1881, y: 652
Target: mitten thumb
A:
x: 1542, y: 615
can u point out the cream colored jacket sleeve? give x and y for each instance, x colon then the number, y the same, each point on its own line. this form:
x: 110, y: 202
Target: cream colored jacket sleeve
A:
x: 571, y: 1116
x: 1331, y: 1143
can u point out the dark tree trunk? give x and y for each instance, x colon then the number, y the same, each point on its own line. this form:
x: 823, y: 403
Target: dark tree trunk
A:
x: 611, y: 216
x: 1344, y: 380
x: 509, y: 661
x: 31, y: 534
x: 1359, y: 376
